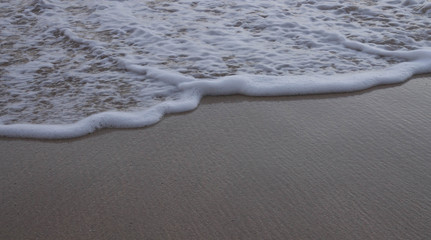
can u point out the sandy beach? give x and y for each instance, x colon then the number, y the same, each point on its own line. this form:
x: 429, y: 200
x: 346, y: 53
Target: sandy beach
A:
x: 344, y: 166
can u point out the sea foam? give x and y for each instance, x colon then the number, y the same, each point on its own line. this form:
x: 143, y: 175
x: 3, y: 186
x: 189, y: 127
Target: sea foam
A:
x: 71, y: 67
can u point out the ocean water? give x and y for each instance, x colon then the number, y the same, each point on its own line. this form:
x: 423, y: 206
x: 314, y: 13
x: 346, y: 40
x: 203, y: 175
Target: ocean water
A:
x: 69, y: 67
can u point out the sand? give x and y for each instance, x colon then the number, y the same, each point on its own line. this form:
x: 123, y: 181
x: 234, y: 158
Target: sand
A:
x: 345, y: 166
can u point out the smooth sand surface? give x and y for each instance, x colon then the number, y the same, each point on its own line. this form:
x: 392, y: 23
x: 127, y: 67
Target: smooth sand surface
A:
x: 345, y: 166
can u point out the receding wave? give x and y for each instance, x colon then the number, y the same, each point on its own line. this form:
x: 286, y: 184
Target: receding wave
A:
x: 70, y: 67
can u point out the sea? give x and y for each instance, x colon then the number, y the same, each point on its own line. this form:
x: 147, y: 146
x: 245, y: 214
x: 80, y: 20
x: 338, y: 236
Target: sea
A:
x: 70, y: 67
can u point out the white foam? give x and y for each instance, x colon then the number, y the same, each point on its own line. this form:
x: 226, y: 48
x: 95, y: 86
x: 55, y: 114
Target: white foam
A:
x: 71, y: 67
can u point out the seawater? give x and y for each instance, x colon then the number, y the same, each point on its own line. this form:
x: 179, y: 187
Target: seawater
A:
x: 69, y: 67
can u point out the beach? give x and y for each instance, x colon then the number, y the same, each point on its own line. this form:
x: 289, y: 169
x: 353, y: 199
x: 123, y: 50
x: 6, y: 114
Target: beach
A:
x: 334, y: 166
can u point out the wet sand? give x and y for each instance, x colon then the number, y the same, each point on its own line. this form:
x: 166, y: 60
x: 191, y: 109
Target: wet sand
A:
x: 345, y: 166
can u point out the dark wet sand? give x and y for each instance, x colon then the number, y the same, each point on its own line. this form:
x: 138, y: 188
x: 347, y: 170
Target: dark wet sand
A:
x: 347, y: 166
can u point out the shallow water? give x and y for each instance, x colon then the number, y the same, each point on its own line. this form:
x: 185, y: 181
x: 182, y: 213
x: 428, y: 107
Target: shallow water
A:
x: 63, y: 61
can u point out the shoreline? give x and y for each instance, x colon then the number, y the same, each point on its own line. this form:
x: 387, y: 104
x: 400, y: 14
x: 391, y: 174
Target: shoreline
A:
x: 336, y: 166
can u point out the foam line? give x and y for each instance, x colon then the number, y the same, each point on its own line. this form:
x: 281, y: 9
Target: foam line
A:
x: 251, y: 85
x: 99, y: 121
